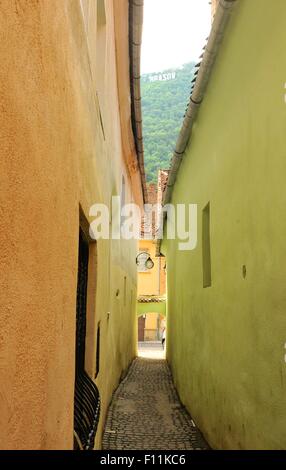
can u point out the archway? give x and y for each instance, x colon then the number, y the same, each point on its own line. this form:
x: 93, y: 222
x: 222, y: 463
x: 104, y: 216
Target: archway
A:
x: 151, y: 313
x: 150, y: 327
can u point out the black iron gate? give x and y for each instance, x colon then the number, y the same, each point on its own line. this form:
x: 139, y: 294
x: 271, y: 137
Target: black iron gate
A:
x: 87, y: 400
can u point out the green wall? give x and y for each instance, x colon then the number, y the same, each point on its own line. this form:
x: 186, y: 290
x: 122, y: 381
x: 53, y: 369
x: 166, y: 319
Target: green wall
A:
x: 226, y: 342
x: 151, y: 307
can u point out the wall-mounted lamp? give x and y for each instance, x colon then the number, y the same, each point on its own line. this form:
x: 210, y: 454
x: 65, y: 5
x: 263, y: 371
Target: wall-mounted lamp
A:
x: 149, y: 263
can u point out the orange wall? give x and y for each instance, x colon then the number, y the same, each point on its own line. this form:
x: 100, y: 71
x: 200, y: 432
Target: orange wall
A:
x: 54, y: 157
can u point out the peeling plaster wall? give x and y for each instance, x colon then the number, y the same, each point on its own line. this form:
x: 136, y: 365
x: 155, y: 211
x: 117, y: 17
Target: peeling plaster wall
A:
x: 226, y: 343
x: 54, y: 158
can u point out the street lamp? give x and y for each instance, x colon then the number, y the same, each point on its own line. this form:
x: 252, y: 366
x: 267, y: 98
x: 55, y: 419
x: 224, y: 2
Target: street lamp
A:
x: 149, y: 263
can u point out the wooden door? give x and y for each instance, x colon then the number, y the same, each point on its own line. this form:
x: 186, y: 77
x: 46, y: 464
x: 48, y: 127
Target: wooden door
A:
x: 141, y: 328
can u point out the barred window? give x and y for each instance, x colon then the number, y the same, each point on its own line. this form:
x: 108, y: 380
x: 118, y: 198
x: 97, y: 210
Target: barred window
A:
x: 86, y: 401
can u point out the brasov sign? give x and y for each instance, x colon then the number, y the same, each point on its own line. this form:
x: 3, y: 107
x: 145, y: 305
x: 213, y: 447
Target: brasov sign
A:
x: 162, y: 77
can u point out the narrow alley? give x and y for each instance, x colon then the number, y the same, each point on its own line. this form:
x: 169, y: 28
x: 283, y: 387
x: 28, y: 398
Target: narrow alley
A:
x: 146, y: 413
x: 142, y: 228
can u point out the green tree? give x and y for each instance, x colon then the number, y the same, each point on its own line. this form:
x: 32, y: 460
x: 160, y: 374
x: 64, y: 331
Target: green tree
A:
x: 163, y: 106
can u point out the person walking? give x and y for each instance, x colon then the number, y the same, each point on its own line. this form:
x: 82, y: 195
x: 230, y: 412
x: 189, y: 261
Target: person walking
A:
x: 164, y: 337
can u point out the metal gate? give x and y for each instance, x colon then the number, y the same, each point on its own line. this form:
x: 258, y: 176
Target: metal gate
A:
x: 87, y: 400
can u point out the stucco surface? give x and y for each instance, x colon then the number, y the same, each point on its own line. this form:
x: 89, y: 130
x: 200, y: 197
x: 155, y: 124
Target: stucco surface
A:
x: 152, y: 307
x: 55, y: 158
x: 151, y: 281
x: 226, y: 343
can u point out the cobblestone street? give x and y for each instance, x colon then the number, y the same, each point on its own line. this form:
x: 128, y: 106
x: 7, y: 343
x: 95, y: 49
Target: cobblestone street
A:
x: 146, y: 414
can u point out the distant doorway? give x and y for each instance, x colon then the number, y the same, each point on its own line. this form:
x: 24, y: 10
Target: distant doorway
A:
x: 150, y: 327
x: 141, y: 328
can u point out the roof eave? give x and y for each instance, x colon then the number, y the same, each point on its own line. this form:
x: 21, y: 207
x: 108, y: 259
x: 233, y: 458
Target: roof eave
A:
x: 135, y: 41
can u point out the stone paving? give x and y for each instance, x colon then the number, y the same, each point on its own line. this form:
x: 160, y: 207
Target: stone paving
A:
x: 146, y: 414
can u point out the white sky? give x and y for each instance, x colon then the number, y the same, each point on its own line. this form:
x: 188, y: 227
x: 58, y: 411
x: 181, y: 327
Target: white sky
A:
x: 174, y: 32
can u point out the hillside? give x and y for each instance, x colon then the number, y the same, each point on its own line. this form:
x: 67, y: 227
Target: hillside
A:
x: 164, y: 100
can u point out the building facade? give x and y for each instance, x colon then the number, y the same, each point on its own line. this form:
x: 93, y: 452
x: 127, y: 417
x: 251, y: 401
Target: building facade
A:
x: 151, y: 304
x: 226, y: 298
x: 70, y: 139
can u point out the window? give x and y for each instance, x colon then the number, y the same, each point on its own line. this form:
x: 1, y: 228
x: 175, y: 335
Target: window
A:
x: 131, y: 299
x: 86, y: 401
x: 122, y: 201
x: 123, y: 193
x: 97, y: 350
x: 125, y: 290
x: 206, y: 247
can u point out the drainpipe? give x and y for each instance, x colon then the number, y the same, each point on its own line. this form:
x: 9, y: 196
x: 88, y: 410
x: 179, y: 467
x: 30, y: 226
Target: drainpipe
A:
x: 223, y: 12
x: 136, y: 8
x: 159, y: 275
x: 159, y: 293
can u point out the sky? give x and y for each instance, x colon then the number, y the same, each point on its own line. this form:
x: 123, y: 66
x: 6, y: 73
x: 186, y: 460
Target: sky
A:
x: 174, y: 32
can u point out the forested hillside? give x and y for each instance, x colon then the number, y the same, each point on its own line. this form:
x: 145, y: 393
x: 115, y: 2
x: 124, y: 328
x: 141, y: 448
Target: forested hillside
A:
x: 164, y: 100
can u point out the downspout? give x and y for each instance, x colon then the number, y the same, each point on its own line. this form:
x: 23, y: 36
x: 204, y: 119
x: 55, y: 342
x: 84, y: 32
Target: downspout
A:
x: 159, y: 275
x: 135, y: 40
x: 224, y: 10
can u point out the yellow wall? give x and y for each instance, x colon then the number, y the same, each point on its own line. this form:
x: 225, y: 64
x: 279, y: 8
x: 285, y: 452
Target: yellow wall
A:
x: 226, y: 343
x: 152, y: 282
x: 151, y: 327
x: 151, y: 321
x: 54, y: 158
